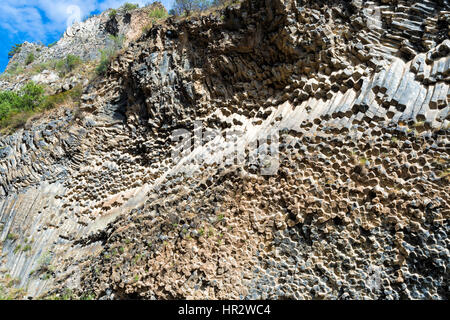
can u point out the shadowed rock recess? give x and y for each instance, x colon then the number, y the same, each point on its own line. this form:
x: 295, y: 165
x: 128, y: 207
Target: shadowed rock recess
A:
x: 358, y: 208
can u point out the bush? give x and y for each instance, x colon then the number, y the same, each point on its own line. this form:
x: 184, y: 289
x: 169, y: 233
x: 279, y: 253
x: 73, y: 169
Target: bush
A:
x: 108, y: 53
x: 12, y: 236
x: 112, y: 13
x: 105, y: 59
x: 129, y: 6
x: 28, y: 98
x: 72, y: 62
x: 158, y: 13
x: 68, y: 64
x: 30, y: 58
x: 14, y: 49
x: 16, y: 107
x: 31, y: 96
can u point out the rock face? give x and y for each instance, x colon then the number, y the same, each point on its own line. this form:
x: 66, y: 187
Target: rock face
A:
x: 84, y: 39
x: 354, y: 96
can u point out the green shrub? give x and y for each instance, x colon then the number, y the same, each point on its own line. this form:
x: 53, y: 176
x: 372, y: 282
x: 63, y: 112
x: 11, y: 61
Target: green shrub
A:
x: 12, y: 236
x: 30, y: 58
x: 88, y: 296
x: 28, y: 98
x: 14, y: 67
x: 158, y: 13
x: 17, y: 107
x: 104, y: 62
x: 129, y: 6
x: 108, y: 53
x: 67, y: 64
x: 72, y: 62
x: 16, y: 249
x: 112, y: 13
x: 67, y: 295
x: 45, y: 260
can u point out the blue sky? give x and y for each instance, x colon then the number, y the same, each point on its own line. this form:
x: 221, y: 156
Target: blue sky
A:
x: 46, y: 20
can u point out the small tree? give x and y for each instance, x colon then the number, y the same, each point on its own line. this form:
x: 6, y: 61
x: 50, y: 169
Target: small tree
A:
x: 188, y: 6
x: 14, y: 49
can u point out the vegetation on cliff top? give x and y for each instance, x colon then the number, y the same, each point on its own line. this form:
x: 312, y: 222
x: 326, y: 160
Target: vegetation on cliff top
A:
x: 127, y: 6
x: 27, y: 99
x: 187, y: 7
x: 17, y: 107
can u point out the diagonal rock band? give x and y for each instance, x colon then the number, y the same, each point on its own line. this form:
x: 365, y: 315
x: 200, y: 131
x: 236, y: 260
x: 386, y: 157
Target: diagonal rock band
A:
x: 256, y: 150
x: 248, y: 148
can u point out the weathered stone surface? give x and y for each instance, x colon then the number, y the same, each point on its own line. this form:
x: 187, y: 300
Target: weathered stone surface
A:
x: 359, y: 205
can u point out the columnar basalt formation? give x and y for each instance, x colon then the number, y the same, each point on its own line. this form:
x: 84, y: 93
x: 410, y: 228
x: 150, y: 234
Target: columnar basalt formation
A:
x: 358, y: 93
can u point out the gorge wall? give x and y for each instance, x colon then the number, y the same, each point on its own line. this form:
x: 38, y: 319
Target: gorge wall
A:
x: 355, y: 98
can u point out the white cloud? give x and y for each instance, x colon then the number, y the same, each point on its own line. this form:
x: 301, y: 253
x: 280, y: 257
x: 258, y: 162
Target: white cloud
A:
x: 22, y: 19
x: 41, y: 18
x: 57, y: 11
